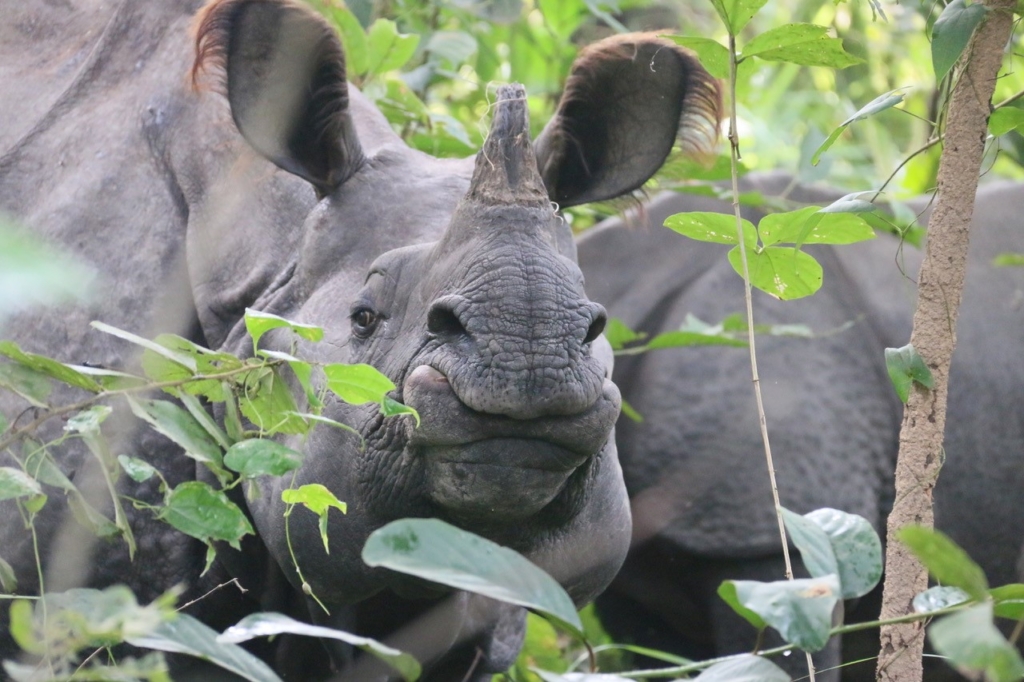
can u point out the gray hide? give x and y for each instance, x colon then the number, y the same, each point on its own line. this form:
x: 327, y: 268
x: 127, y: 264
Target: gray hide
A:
x: 695, y: 468
x: 456, y: 278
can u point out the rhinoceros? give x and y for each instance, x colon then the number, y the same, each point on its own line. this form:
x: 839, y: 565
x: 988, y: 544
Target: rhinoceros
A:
x: 695, y: 469
x: 457, y: 278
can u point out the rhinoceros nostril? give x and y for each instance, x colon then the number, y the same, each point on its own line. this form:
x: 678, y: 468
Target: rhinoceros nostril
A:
x: 443, y: 321
x: 596, y: 327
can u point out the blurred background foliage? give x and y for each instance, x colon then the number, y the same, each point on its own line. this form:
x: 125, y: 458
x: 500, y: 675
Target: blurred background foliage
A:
x: 431, y: 66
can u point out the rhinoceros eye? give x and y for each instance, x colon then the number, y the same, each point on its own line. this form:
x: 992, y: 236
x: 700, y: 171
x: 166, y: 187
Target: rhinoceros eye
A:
x: 364, y: 321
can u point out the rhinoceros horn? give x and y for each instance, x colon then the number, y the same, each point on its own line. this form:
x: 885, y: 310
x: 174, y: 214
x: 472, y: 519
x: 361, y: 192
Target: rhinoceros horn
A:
x: 506, y: 168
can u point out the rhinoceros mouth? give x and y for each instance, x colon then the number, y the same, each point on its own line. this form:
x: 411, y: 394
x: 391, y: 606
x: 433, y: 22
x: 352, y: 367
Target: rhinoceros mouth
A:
x: 494, y: 467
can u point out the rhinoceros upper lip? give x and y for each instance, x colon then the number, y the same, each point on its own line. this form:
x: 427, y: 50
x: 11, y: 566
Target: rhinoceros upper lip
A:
x: 447, y: 421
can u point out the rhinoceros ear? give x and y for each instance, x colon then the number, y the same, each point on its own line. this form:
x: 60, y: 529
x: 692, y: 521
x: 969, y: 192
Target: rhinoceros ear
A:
x: 282, y: 68
x: 628, y: 99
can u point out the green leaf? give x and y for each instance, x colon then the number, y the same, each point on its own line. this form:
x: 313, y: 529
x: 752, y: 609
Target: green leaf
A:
x: 15, y: 484
x: 357, y: 56
x: 745, y: 668
x: 713, y: 55
x: 186, y: 635
x: 814, y: 545
x: 945, y: 560
x: 1005, y: 119
x: 938, y: 598
x: 437, y: 551
x: 32, y: 385
x: 260, y: 457
x: 303, y: 372
x: 49, y: 367
x: 727, y: 591
x: 781, y: 272
x: 736, y: 13
x: 203, y: 418
x: 95, y: 522
x: 1007, y: 259
x: 812, y: 225
x: 951, y: 33
x: 971, y: 641
x: 880, y: 103
x: 269, y: 404
x: 711, y: 227
x: 388, y: 49
x: 88, y: 421
x: 21, y: 627
x: 389, y: 407
x: 318, y: 500
x: 206, y: 514
x: 179, y: 358
x: 801, y: 610
x: 271, y: 624
x: 168, y: 419
x: 454, y: 47
x: 357, y: 384
x: 618, y: 334
x: 1009, y: 601
x: 8, y: 580
x: 258, y: 324
x: 905, y: 367
x: 137, y: 469
x: 630, y: 412
x: 857, y: 549
x: 548, y: 676
x: 39, y: 464
x: 681, y: 339
x: 803, y: 44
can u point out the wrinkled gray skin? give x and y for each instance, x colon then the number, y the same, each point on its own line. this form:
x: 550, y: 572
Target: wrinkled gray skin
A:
x: 467, y: 295
x: 695, y: 468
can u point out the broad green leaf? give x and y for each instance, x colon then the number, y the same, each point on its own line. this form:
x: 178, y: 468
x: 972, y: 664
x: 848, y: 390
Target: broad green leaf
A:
x: 186, y: 635
x: 437, y: 551
x: 801, y: 610
x: 388, y: 49
x: 389, y: 407
x: 1009, y: 601
x: 318, y: 500
x: 951, y: 33
x: 946, y: 561
x: 15, y: 484
x: 745, y: 668
x: 206, y: 514
x: 21, y: 629
x: 179, y: 358
x: 880, y: 103
x: 938, y: 598
x: 814, y: 545
x: 110, y: 379
x: 303, y: 372
x: 357, y: 57
x: 454, y: 47
x: 208, y: 363
x: 34, y: 274
x: 32, y: 385
x: 271, y: 624
x: 8, y: 580
x: 181, y: 427
x: 727, y: 591
x: 680, y: 339
x: 905, y: 367
x: 1005, y: 119
x: 49, y: 367
x: 1007, y: 259
x: 267, y: 402
x: 803, y: 44
x: 203, y: 418
x: 137, y: 469
x: 261, y: 457
x: 258, y: 324
x: 618, y: 334
x: 850, y: 203
x: 357, y: 384
x: 39, y: 464
x: 972, y: 642
x: 857, y: 549
x: 713, y: 55
x: 781, y: 272
x: 736, y: 13
x: 812, y: 225
x: 88, y: 421
x: 712, y: 227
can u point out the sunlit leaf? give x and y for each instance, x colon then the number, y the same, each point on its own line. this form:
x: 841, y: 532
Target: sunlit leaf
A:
x: 951, y: 33
x: 319, y: 500
x: 945, y: 560
x: 271, y: 624
x: 388, y: 49
x: 811, y: 225
x: 357, y: 57
x: 1008, y: 259
x: 711, y: 227
x: 267, y: 402
x: 437, y: 551
x: 261, y: 457
x: 880, y: 103
x: 389, y: 407
x: 1005, y: 119
x: 727, y: 591
x: 357, y: 384
x: 1009, y: 601
x: 803, y: 44
x: 801, y: 610
x: 779, y: 271
x: 736, y: 13
x: 206, y: 514
x: 258, y: 324
x: 713, y: 55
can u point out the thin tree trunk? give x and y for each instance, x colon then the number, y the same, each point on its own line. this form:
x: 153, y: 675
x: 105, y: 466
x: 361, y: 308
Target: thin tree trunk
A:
x: 940, y: 285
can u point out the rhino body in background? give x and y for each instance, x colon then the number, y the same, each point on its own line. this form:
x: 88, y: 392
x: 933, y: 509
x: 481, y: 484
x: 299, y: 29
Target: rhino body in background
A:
x: 456, y: 279
x: 695, y: 468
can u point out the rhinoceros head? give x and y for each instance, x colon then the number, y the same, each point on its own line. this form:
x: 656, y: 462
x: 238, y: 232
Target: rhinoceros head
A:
x: 457, y: 279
